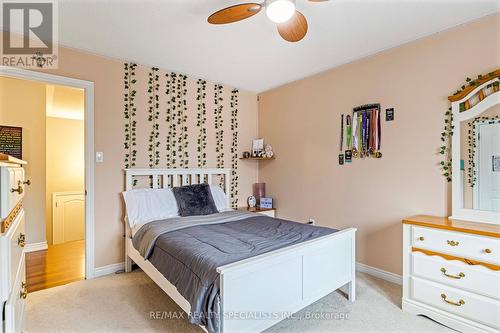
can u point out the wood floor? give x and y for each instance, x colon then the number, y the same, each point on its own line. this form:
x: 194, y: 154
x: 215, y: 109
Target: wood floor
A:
x: 60, y: 264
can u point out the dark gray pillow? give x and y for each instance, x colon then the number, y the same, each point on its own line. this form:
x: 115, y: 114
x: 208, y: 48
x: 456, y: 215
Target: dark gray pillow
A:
x: 194, y: 200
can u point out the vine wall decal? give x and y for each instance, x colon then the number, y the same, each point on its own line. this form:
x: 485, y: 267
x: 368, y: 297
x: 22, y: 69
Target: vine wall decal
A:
x: 182, y: 121
x: 153, y: 116
x: 168, y: 120
x: 130, y: 112
x: 201, y: 120
x: 234, y: 147
x: 167, y: 123
x: 219, y: 125
x: 173, y: 113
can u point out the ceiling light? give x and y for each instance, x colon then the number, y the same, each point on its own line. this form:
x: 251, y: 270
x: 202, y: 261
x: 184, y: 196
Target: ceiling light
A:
x: 280, y: 11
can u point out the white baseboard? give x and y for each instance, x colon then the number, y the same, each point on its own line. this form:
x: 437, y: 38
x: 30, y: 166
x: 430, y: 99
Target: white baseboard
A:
x: 32, y: 247
x: 381, y: 274
x: 108, y: 269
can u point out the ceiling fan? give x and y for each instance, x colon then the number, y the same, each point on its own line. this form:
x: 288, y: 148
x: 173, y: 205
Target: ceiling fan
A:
x: 292, y: 25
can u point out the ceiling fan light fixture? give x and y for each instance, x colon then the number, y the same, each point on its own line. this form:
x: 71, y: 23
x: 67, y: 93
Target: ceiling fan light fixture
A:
x: 280, y: 11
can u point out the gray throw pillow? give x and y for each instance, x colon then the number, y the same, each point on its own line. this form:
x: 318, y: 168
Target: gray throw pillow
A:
x: 194, y: 200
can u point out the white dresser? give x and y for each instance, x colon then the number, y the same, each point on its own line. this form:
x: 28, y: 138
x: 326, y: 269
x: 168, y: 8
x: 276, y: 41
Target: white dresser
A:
x: 13, y: 289
x: 451, y: 272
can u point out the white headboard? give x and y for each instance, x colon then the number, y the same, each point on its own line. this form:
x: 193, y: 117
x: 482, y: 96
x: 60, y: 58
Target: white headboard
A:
x: 168, y: 178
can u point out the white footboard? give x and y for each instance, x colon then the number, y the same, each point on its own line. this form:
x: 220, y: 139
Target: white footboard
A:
x: 258, y: 292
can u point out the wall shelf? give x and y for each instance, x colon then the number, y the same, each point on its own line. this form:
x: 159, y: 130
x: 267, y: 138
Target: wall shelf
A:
x: 257, y: 158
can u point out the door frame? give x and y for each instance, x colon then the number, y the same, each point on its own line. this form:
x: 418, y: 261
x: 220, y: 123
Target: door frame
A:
x: 88, y: 87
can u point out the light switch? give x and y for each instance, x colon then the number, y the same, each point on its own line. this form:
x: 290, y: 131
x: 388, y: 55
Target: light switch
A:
x: 99, y: 157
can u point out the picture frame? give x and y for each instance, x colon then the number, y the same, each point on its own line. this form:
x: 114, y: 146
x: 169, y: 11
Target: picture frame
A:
x: 257, y: 147
x: 11, y: 141
x: 266, y: 203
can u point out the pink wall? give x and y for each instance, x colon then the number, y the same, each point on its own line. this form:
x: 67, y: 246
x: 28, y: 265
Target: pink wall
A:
x: 301, y: 121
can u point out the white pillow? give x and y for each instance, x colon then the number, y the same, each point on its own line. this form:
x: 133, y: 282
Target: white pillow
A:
x: 220, y: 198
x: 147, y: 205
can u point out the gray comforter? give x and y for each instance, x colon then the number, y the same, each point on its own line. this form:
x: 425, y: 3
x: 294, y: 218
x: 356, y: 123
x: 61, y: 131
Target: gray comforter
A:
x: 188, y: 250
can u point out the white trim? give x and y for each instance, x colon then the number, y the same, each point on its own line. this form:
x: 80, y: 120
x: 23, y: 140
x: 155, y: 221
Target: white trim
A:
x: 379, y: 273
x: 88, y: 87
x: 32, y: 247
x: 109, y: 269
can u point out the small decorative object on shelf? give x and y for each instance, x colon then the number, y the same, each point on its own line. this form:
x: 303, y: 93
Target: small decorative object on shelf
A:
x: 259, y: 191
x: 257, y: 147
x: 259, y: 151
x: 252, y: 202
x: 268, y: 151
x: 266, y: 203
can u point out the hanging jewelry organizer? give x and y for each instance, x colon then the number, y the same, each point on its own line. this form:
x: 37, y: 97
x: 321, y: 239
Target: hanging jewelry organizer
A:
x: 363, y: 133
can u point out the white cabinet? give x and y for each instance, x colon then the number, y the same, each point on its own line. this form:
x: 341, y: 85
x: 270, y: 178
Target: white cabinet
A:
x: 451, y: 272
x: 13, y: 290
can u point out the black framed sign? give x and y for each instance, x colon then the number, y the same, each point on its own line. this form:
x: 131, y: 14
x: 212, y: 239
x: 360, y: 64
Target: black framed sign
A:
x: 11, y: 141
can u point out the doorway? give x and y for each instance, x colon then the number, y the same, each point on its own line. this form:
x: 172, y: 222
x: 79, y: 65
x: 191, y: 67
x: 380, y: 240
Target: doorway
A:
x: 67, y: 252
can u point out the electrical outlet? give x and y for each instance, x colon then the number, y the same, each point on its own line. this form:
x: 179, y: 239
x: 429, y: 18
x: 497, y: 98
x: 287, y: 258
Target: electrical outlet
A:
x: 312, y: 221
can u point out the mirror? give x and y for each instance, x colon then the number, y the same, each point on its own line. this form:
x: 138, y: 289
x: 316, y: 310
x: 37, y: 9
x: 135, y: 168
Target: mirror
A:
x: 480, y: 160
x: 476, y: 151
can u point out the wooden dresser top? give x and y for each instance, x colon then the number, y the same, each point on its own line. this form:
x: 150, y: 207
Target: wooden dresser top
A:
x: 437, y: 222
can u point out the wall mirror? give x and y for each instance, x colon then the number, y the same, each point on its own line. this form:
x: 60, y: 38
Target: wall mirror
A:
x: 476, y: 151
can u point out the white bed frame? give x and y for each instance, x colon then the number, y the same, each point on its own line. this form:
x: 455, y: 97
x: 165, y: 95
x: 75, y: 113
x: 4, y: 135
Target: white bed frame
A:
x: 258, y: 292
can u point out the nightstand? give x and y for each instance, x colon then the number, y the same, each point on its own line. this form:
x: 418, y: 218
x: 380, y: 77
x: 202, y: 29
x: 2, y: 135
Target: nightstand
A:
x: 271, y: 212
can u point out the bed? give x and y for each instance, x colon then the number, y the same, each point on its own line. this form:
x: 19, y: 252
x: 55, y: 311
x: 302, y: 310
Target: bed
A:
x: 258, y: 291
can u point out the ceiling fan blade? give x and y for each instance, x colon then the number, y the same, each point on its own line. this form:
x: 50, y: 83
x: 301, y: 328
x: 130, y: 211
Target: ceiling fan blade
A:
x: 234, y: 13
x: 294, y: 29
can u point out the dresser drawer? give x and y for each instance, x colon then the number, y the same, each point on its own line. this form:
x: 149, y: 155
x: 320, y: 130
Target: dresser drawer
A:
x: 14, y: 307
x: 467, y: 305
x: 11, y: 189
x: 11, y: 248
x: 459, y: 244
x: 454, y: 273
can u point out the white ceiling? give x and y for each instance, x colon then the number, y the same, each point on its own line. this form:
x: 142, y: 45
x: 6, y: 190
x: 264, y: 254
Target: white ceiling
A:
x: 174, y: 35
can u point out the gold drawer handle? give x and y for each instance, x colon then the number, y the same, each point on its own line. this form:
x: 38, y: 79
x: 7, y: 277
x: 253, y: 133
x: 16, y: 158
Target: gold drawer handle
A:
x: 421, y: 238
x: 452, y: 243
x: 21, y: 240
x: 24, y: 291
x: 458, y: 277
x: 19, y: 188
x: 487, y: 250
x: 459, y: 303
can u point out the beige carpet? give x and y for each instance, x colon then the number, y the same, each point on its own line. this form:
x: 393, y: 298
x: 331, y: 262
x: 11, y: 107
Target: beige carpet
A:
x: 123, y: 302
